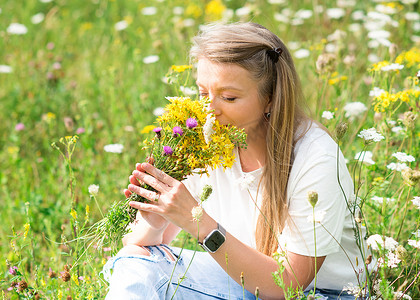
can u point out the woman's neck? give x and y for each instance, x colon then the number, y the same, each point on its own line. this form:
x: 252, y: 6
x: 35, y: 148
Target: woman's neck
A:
x: 253, y: 157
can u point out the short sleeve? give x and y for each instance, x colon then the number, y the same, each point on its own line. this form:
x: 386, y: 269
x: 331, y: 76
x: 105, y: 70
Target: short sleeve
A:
x: 315, y: 169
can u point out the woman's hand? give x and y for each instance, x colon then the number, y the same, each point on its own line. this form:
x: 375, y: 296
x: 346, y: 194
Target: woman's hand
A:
x: 155, y: 221
x: 172, y: 201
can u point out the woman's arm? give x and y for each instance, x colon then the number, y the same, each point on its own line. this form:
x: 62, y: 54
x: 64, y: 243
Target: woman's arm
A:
x: 175, y: 204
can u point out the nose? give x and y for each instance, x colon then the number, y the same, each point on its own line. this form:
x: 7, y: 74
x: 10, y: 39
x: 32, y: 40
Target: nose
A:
x: 213, y: 105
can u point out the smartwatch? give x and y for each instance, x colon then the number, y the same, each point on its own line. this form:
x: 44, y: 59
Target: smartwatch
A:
x: 214, y: 239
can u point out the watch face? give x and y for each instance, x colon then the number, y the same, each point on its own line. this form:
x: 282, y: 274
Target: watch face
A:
x: 214, y: 241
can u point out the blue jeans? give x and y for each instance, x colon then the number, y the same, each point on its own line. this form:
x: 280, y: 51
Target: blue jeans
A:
x: 150, y: 277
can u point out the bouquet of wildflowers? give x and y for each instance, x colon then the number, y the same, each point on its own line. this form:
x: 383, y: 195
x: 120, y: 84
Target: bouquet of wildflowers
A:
x: 188, y: 140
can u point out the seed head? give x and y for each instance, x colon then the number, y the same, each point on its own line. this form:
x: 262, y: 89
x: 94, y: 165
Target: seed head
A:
x: 313, y: 198
x: 401, y: 253
x: 22, y: 285
x: 368, y: 259
x: 65, y: 276
x: 409, y: 119
x: 341, y: 130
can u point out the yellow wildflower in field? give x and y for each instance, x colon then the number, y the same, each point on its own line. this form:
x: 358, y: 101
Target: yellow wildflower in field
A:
x: 60, y: 295
x: 148, y: 128
x: 410, y: 58
x: 215, y: 10
x: 49, y: 117
x: 193, y: 10
x: 378, y: 66
x: 75, y: 279
x: 386, y: 99
x: 180, y: 68
x: 25, y: 234
x: 86, y: 26
x: 12, y: 150
x: 73, y: 213
x: 336, y: 79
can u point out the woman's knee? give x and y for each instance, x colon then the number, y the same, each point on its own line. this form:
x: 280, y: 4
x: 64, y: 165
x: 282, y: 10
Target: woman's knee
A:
x: 133, y: 250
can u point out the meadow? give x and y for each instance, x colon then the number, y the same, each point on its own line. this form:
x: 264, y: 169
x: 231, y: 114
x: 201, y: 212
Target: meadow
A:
x: 80, y: 81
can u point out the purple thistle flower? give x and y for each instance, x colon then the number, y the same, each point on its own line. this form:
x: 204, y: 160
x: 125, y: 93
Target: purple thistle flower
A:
x: 80, y: 130
x: 13, y: 270
x: 158, y: 130
x: 167, y: 150
x: 191, y: 123
x: 19, y: 127
x: 177, y: 131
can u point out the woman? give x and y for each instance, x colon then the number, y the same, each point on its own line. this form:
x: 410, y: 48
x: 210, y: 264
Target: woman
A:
x: 259, y: 206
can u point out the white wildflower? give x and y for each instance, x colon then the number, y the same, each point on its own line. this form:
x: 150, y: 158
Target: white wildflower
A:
x: 373, y: 58
x: 150, y: 59
x: 412, y: 16
x: 418, y: 73
x: 276, y: 1
x: 197, y: 213
x: 390, y: 244
x: 5, y: 69
x: 208, y: 127
x: 397, y: 166
x: 158, y: 111
x: 354, y: 109
x: 149, y: 11
x: 303, y: 14
x: 281, y: 18
x: 16, y: 28
x: 188, y: 22
x: 317, y: 217
x: 187, y: 91
x: 414, y: 243
x: 350, y: 288
x: 416, y: 202
x: 376, y: 92
x: 327, y: 115
x: 302, y: 53
x: 365, y: 157
x: 336, y: 13
x: 392, y: 67
x: 346, y: 3
x: 393, y: 260
x: 403, y: 157
x: 243, y: 11
x: 245, y: 181
x: 400, y: 295
x: 38, y: 18
x: 178, y: 10
x: 114, y: 148
x: 93, y: 189
x: 45, y: 1
x: 397, y: 129
x: 416, y: 233
x: 121, y: 25
x: 370, y: 135
x: 380, y: 200
x: 358, y: 15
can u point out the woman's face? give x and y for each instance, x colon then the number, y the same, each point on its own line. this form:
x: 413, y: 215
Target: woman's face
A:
x: 233, y: 95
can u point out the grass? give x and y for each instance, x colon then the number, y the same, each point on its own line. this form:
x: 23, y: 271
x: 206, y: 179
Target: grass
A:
x: 76, y: 65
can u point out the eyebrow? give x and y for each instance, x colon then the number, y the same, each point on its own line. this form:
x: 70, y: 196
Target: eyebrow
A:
x: 224, y: 88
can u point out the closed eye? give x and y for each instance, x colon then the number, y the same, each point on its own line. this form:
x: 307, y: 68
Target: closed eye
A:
x: 229, y: 99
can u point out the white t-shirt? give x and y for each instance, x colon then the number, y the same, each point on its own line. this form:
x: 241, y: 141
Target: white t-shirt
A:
x: 236, y: 195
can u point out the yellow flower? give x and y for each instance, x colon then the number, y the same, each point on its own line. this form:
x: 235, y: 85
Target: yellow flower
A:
x: 180, y: 68
x: 12, y: 150
x: 193, y: 10
x: 73, y: 213
x: 410, y: 58
x: 215, y: 10
x: 75, y: 279
x: 378, y: 66
x: 26, y: 226
x: 148, y: 129
x: 86, y: 26
x: 60, y: 295
x: 128, y: 19
x: 43, y: 283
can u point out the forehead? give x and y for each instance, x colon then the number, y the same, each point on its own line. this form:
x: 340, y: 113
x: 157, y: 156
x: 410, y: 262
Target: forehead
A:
x: 216, y: 74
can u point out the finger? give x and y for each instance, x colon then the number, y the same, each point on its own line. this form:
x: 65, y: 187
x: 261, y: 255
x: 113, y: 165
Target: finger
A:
x: 127, y: 193
x: 145, y: 207
x: 151, y: 181
x: 134, y: 180
x: 159, y: 174
x: 149, y: 195
x: 139, y: 167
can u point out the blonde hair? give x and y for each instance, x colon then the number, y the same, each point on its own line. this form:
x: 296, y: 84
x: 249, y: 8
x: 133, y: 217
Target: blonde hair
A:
x: 246, y: 45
